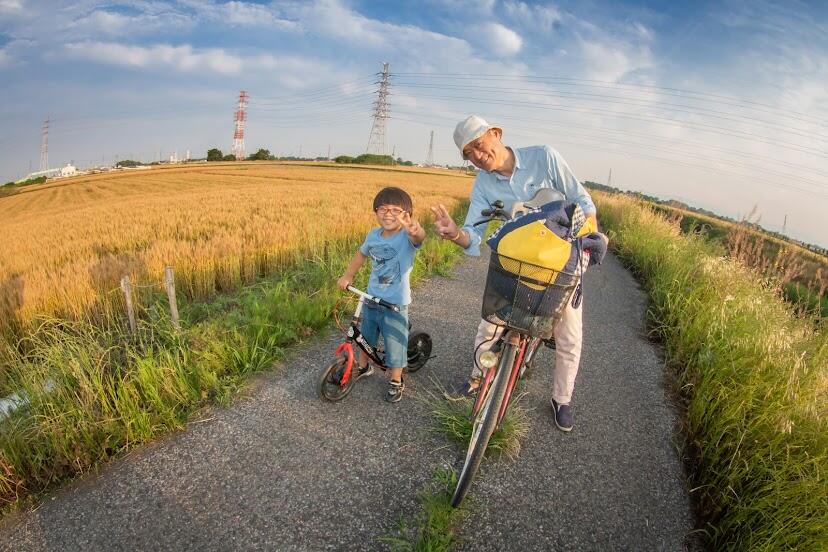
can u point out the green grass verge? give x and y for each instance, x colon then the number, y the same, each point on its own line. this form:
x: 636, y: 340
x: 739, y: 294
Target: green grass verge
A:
x: 433, y: 530
x: 96, y: 390
x: 453, y: 419
x: 755, y: 378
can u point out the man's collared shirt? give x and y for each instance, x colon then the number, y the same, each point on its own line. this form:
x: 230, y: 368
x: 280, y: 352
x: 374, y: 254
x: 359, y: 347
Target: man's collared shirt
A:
x: 536, y: 167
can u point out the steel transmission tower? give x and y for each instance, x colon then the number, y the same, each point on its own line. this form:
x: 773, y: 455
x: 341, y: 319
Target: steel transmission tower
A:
x: 44, y: 147
x: 377, y: 141
x: 430, y: 157
x: 238, y: 135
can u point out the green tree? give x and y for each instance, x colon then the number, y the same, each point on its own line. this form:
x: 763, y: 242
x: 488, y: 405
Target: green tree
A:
x: 261, y: 155
x: 128, y: 163
x: 229, y: 157
x: 214, y: 154
x: 344, y: 159
x: 374, y: 159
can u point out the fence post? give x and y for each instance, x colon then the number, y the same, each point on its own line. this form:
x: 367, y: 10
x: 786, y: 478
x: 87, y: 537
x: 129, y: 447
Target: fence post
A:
x: 127, y: 287
x: 169, y: 282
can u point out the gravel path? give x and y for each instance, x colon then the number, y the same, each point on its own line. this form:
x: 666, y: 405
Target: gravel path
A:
x: 282, y: 470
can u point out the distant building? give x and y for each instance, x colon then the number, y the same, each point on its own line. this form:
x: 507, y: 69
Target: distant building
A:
x: 61, y: 172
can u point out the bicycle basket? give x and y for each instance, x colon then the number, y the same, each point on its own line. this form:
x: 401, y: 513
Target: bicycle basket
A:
x: 526, y: 297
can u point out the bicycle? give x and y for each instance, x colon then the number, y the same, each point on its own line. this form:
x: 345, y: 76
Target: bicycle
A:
x: 526, y: 301
x: 336, y: 381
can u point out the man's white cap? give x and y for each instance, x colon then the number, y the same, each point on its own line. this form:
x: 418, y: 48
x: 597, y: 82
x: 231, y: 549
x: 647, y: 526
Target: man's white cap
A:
x: 469, y: 129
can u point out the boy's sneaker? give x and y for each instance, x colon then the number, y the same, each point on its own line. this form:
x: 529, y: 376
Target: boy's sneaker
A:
x: 462, y: 390
x: 563, y: 416
x: 395, y: 391
x: 364, y: 372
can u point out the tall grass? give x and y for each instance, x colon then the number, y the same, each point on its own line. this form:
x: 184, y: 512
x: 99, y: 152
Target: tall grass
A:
x: 95, y: 390
x: 755, y: 377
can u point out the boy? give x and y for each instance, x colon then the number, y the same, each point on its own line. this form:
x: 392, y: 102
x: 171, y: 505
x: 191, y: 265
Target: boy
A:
x: 391, y: 248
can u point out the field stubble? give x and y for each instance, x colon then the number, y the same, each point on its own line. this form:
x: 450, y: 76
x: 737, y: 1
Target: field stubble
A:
x: 66, y: 246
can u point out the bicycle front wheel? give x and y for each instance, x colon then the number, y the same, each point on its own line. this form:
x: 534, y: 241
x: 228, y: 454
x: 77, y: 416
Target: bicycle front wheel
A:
x: 484, y: 424
x: 330, y: 386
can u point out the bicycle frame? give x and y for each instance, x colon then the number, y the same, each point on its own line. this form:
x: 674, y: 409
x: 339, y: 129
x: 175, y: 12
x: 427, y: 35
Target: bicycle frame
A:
x: 521, y: 342
x: 355, y: 336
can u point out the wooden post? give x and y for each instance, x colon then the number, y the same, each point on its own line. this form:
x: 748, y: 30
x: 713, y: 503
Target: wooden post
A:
x: 127, y: 287
x: 169, y: 282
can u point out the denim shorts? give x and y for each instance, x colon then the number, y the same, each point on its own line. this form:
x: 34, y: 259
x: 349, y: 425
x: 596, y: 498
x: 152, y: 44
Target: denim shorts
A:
x: 393, y: 326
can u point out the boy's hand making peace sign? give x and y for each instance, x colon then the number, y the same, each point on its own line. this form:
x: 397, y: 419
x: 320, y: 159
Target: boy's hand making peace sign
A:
x: 416, y: 233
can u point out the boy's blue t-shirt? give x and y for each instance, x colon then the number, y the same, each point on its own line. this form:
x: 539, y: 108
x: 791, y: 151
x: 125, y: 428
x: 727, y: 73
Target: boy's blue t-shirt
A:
x: 392, y: 259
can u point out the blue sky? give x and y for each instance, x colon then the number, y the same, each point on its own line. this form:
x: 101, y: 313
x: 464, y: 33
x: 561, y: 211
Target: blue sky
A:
x: 723, y: 105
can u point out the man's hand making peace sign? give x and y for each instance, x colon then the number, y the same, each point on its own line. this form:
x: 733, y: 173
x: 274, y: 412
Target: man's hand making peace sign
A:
x: 447, y: 228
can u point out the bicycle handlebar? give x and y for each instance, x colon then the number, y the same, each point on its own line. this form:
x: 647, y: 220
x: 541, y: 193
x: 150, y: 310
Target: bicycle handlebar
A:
x: 492, y: 214
x: 376, y: 300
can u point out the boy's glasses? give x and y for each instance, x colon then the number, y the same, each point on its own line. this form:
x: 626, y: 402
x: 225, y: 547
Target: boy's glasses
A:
x: 390, y: 210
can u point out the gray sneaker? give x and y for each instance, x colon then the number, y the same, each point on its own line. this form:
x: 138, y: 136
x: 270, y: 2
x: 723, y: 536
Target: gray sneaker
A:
x: 364, y: 372
x: 395, y: 391
x: 563, y: 416
x: 462, y: 390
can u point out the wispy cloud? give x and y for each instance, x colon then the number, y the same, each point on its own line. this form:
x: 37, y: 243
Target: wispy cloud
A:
x: 107, y: 22
x: 611, y: 61
x: 535, y: 16
x: 243, y: 14
x: 182, y: 58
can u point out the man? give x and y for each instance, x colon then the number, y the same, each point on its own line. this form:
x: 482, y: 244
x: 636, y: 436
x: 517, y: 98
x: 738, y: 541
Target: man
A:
x: 512, y: 175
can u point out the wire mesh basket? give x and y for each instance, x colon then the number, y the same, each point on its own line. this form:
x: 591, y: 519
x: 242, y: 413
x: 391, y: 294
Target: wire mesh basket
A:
x: 526, y: 297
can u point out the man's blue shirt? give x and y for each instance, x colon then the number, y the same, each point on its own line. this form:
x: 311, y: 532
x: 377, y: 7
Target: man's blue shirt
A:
x: 536, y: 167
x: 392, y: 259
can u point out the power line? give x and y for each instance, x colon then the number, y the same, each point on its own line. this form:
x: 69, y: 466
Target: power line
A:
x: 585, y: 96
x: 654, y: 119
x: 706, y: 167
x: 604, y: 130
x: 673, y: 91
x: 663, y: 148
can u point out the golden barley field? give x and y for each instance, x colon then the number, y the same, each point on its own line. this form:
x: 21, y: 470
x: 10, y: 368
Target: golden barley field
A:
x: 65, y: 245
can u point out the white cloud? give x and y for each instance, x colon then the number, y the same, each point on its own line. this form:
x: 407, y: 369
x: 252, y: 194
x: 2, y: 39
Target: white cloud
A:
x: 290, y: 71
x: 504, y: 41
x: 335, y: 20
x: 11, y: 6
x: 418, y: 49
x: 609, y: 62
x: 533, y: 16
x: 101, y: 21
x: 5, y: 59
x: 182, y: 58
x: 242, y: 14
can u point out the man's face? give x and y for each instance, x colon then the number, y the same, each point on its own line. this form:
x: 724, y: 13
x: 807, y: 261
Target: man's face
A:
x: 486, y: 152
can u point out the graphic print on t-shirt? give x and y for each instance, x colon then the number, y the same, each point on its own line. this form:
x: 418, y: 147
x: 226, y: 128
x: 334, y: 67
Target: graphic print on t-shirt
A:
x: 386, y: 264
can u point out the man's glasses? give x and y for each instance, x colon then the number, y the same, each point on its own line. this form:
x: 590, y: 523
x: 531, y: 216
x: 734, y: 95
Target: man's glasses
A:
x: 392, y: 210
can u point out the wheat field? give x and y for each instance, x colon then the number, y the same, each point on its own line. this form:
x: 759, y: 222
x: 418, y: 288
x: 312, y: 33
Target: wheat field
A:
x: 65, y: 245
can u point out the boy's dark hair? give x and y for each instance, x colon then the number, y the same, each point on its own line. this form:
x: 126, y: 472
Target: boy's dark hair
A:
x: 394, y: 196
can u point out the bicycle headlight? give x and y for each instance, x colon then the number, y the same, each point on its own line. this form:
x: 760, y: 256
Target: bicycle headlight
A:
x: 488, y: 359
